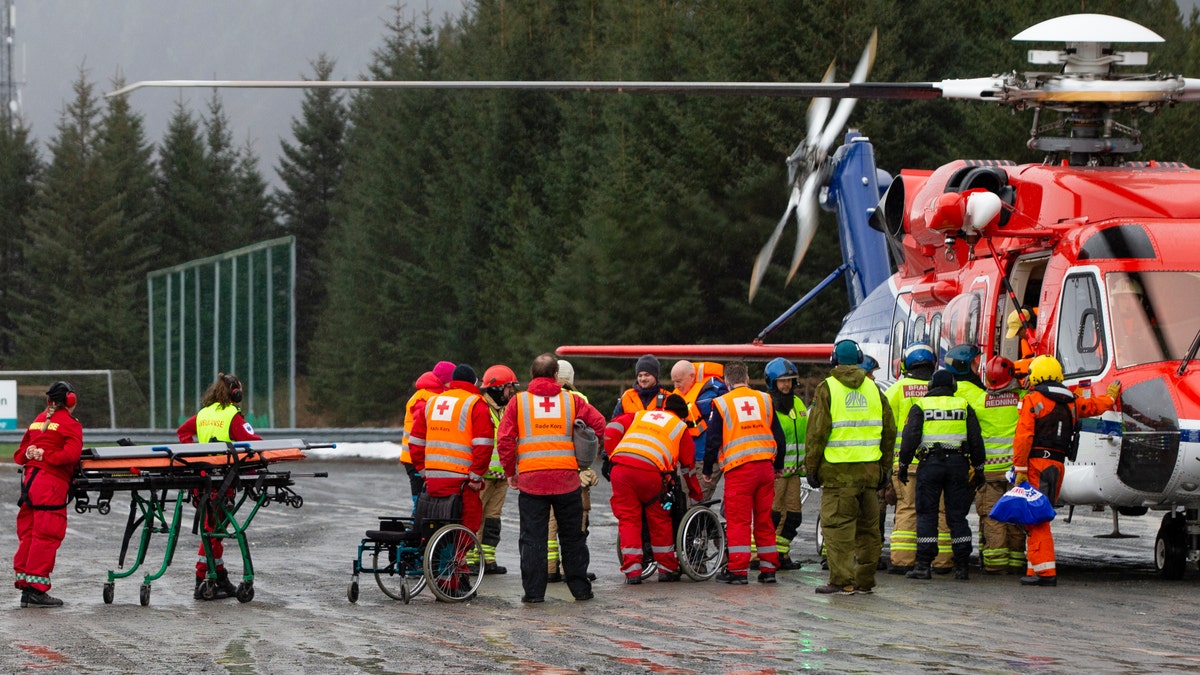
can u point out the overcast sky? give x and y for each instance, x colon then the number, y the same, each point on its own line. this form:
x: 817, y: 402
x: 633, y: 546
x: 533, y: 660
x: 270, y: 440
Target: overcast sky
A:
x: 197, y: 39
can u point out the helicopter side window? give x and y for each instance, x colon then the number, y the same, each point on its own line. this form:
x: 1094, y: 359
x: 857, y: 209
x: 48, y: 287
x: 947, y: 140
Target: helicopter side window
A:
x: 1081, y: 347
x: 963, y: 318
x: 935, y: 336
x: 897, y: 347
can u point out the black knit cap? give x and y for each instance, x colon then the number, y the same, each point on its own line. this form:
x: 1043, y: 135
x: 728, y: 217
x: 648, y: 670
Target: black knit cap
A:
x: 677, y: 405
x: 647, y: 364
x: 943, y: 378
x: 464, y: 373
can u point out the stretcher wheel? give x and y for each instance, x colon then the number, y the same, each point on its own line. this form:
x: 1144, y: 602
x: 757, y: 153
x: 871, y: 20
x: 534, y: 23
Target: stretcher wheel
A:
x: 208, y: 589
x: 144, y: 595
x: 109, y: 588
x: 352, y: 592
x: 454, y: 563
x: 398, y: 579
x: 700, y: 543
x: 245, y: 591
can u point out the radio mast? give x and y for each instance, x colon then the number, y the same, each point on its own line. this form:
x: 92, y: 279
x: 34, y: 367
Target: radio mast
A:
x: 10, y: 97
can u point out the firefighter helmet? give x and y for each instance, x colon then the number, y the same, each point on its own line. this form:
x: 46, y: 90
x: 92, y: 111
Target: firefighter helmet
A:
x: 780, y: 369
x: 916, y: 354
x: 1045, y: 369
x: 959, y: 357
x: 999, y: 373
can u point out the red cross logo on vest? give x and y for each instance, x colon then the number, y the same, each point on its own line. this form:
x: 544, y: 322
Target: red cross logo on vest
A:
x: 747, y: 409
x: 656, y: 418
x: 546, y: 406
x: 442, y: 408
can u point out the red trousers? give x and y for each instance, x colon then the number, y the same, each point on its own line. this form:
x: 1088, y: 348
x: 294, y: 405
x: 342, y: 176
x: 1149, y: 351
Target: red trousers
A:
x: 1039, y: 542
x: 40, y: 533
x: 635, y: 492
x: 749, y: 493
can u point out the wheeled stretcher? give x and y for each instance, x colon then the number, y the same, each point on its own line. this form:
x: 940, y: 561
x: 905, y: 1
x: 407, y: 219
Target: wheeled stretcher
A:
x: 221, y: 479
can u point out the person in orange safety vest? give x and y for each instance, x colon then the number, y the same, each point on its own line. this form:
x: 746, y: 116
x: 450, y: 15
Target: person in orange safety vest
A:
x: 451, y: 443
x: 1041, y: 444
x: 645, y: 448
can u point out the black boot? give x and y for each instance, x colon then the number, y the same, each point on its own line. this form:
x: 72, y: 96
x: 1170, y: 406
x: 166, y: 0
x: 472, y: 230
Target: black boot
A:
x: 960, y: 572
x: 920, y: 571
x: 224, y: 587
x: 35, y: 598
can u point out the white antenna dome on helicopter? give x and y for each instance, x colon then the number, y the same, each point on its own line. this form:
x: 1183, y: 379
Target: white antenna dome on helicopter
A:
x: 1087, y: 28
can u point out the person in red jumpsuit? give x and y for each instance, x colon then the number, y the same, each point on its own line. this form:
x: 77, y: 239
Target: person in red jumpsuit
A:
x: 451, y: 449
x: 219, y: 421
x: 1041, y: 444
x: 643, y: 448
x: 49, y: 452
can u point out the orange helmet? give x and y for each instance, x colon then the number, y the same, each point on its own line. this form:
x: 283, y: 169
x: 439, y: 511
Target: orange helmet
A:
x: 999, y: 372
x: 498, y: 376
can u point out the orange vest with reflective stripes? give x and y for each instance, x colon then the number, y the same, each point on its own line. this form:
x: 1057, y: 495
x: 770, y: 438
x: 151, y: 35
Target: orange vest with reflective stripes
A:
x: 448, y: 449
x: 421, y: 395
x: 544, y: 425
x: 631, y: 402
x: 652, y: 438
x: 746, y: 436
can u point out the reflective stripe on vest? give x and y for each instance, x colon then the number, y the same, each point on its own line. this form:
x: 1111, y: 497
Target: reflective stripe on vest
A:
x: 945, y: 422
x: 857, y: 422
x: 495, y: 469
x: 544, y: 432
x: 653, y: 438
x: 421, y: 395
x: 795, y: 426
x: 746, y: 435
x: 448, y: 434
x: 212, y: 423
x: 900, y: 397
x: 997, y: 412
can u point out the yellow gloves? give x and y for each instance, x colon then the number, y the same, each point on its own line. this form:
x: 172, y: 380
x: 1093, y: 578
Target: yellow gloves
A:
x: 1021, y: 477
x: 1114, y: 390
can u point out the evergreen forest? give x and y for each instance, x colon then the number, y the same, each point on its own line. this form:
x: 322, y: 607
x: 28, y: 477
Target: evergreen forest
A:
x: 490, y: 226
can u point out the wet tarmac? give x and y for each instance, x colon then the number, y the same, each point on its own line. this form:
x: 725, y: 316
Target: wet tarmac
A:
x: 1109, y: 614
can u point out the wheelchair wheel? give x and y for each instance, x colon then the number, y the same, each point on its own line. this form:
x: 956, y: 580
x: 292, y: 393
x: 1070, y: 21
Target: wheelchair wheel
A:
x: 700, y: 543
x: 454, y: 563
x: 649, y: 564
x: 398, y: 579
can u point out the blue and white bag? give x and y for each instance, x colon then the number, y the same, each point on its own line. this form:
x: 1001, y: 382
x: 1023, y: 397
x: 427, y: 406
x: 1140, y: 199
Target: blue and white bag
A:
x: 1023, y: 505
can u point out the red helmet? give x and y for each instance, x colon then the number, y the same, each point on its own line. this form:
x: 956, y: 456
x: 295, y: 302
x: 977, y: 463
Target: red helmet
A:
x: 498, y: 376
x: 999, y: 372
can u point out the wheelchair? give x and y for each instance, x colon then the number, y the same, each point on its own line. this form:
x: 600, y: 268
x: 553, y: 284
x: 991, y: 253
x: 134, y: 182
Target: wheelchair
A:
x: 699, y: 538
x: 431, y: 549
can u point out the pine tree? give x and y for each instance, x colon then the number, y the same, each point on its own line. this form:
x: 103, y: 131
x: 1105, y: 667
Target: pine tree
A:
x: 311, y: 171
x: 20, y: 168
x: 182, y: 192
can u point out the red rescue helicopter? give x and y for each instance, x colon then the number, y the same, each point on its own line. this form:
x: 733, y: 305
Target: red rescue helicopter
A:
x: 1103, y: 248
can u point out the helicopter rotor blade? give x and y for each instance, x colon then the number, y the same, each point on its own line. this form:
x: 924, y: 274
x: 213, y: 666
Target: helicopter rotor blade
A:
x: 846, y: 105
x: 764, y: 256
x: 818, y: 110
x: 806, y: 221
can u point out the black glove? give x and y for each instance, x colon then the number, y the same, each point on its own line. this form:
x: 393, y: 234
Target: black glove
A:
x: 884, y: 480
x: 606, y: 469
x: 903, y: 474
x: 814, y: 481
x: 125, y: 442
x: 977, y: 477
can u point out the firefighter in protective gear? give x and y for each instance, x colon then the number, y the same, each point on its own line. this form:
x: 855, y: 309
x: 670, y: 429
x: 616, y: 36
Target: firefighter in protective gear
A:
x: 1003, y: 544
x: 782, y: 377
x: 917, y: 366
x: 943, y: 431
x: 848, y: 452
x: 49, y: 452
x: 219, y: 420
x: 645, y: 448
x: 498, y: 386
x: 1041, y: 444
x: 428, y: 385
x: 451, y: 443
x: 745, y: 437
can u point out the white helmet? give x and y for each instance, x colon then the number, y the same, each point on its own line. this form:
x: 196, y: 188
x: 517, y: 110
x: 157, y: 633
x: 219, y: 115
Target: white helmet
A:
x: 566, y: 372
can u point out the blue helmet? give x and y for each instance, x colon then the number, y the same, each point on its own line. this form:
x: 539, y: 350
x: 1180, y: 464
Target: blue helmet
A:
x: 959, y: 357
x: 868, y: 363
x: 780, y: 369
x: 916, y: 354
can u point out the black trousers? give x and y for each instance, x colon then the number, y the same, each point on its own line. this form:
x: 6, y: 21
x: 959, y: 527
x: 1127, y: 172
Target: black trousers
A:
x: 573, y: 551
x: 943, y: 475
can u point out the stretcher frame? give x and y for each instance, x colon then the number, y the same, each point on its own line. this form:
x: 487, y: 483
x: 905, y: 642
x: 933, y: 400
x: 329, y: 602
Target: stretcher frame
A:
x: 220, y: 478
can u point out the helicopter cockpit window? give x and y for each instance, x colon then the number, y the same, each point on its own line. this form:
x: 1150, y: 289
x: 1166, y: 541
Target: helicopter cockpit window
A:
x: 1151, y: 316
x: 1080, y: 349
x: 963, y: 317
